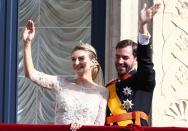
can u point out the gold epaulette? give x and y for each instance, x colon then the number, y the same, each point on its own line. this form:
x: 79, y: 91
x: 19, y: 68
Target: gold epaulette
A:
x: 111, y: 82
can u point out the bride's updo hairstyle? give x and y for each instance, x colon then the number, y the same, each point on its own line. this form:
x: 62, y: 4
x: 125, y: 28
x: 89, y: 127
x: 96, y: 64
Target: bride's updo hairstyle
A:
x: 93, y: 56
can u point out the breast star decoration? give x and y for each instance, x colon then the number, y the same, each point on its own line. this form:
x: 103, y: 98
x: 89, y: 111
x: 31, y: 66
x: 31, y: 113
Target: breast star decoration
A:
x: 127, y: 104
x: 127, y: 91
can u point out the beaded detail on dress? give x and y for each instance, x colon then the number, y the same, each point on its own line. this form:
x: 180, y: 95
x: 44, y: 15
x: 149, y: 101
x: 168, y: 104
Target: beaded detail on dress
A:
x: 75, y: 103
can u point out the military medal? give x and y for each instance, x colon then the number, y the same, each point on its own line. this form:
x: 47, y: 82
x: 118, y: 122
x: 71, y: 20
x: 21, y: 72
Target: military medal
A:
x: 127, y: 91
x: 127, y: 104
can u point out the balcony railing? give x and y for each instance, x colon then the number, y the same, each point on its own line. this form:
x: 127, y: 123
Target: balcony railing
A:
x: 47, y: 127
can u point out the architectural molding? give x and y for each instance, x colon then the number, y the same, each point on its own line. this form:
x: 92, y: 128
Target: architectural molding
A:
x: 112, y: 36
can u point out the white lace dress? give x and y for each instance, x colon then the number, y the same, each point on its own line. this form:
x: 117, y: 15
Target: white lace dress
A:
x: 75, y: 103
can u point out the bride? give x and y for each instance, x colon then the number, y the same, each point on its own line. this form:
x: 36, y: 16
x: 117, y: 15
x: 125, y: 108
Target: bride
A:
x: 79, y: 101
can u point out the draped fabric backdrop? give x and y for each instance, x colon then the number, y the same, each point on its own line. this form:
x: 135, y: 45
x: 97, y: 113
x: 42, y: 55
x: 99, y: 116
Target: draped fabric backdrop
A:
x: 60, y: 25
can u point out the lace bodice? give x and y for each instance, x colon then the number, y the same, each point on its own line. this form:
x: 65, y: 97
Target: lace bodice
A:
x: 75, y: 103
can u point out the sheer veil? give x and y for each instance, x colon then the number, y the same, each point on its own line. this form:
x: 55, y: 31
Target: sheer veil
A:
x: 99, y: 78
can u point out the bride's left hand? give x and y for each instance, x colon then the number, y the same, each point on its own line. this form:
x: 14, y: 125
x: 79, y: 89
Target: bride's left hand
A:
x: 75, y: 126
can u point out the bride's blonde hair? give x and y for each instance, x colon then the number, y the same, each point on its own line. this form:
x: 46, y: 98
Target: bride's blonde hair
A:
x: 93, y: 56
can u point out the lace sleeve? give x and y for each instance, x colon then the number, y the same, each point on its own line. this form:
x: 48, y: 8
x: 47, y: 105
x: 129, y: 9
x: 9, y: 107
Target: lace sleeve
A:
x: 102, y: 107
x: 45, y: 80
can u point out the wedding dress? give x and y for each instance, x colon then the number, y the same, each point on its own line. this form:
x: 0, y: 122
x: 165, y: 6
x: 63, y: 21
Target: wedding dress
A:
x: 75, y: 103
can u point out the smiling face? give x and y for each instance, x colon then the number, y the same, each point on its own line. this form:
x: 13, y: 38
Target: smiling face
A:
x: 81, y: 62
x: 124, y: 60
